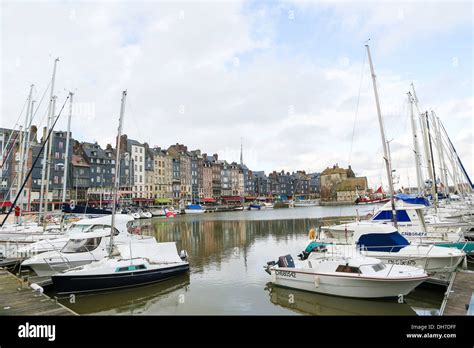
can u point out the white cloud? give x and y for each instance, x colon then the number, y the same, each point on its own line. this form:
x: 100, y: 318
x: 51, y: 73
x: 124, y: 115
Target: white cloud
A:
x: 182, y: 55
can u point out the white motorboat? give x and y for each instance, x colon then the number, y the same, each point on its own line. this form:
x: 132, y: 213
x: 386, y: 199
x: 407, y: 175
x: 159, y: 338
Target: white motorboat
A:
x: 123, y: 224
x: 268, y: 205
x: 306, y: 203
x: 357, y: 276
x: 80, y: 249
x: 386, y: 243
x: 135, y: 215
x: 130, y: 266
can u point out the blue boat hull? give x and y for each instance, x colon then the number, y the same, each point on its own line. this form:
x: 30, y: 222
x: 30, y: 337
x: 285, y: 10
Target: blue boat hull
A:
x: 90, y: 283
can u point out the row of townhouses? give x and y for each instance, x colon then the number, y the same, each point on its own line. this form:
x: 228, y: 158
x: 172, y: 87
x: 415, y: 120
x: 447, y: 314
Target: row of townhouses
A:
x: 148, y: 175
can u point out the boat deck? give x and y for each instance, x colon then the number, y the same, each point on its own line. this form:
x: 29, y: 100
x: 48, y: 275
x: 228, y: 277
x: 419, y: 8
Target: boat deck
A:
x: 460, y: 299
x: 17, y: 298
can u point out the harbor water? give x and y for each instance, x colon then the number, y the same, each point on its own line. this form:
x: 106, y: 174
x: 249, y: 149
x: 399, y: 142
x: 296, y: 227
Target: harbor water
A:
x: 227, y: 252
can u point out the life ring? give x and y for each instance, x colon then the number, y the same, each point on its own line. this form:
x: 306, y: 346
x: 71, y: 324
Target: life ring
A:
x: 72, y: 204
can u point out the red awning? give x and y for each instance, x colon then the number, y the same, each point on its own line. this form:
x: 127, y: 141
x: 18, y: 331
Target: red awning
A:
x: 6, y: 204
x: 231, y: 198
x: 208, y: 200
x: 143, y: 199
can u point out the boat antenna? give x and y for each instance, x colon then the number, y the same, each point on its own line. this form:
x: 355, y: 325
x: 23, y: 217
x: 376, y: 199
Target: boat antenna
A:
x: 117, y: 172
x: 388, y: 165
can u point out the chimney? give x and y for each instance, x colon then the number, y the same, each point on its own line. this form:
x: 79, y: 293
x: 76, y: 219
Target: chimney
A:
x: 216, y: 157
x: 33, y: 131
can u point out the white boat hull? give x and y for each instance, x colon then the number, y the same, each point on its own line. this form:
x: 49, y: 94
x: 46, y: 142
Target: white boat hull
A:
x: 194, y: 211
x: 358, y: 287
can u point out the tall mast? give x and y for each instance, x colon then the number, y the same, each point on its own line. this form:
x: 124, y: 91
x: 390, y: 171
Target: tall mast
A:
x: 66, y: 157
x: 28, y: 146
x: 23, y: 145
x: 117, y: 171
x: 416, y: 148
x: 388, y: 165
x: 439, y: 150
x: 430, y: 159
x: 43, y: 171
x: 47, y: 158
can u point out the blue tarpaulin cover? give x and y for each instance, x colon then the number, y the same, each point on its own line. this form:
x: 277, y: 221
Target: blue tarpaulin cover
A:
x: 412, y: 199
x: 382, y: 241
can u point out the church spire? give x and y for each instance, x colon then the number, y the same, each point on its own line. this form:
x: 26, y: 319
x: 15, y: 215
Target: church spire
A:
x: 241, y: 153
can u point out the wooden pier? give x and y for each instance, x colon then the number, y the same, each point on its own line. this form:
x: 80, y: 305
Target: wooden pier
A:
x: 459, y: 299
x: 17, y: 298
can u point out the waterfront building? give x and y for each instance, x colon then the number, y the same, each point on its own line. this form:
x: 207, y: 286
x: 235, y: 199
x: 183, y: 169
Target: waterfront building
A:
x: 262, y: 186
x: 180, y: 153
x: 301, y: 183
x: 149, y: 174
x: 80, y: 178
x: 137, y: 155
x: 350, y: 189
x: 216, y: 176
x: 314, y: 183
x: 226, y: 179
x: 163, y: 176
x: 102, y: 171
x: 207, y: 192
x: 330, y: 177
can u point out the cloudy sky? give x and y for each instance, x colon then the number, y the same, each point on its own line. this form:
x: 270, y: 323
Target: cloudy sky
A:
x: 289, y: 78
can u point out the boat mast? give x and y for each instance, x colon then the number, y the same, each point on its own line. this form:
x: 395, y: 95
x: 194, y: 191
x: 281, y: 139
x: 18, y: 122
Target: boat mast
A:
x: 43, y: 171
x: 66, y: 157
x: 439, y: 148
x: 388, y: 165
x: 117, y: 171
x: 47, y: 158
x: 23, y: 142
x: 434, y: 188
x: 416, y: 148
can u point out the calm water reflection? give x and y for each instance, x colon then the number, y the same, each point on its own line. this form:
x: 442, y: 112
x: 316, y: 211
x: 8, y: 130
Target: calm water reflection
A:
x: 227, y: 252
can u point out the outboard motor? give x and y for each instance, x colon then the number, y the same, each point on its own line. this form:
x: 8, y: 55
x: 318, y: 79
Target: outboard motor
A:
x: 269, y: 265
x: 286, y: 261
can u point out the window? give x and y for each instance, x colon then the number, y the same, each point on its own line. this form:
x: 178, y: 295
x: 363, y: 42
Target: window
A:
x: 141, y: 151
x: 56, y: 179
x: 98, y: 178
x: 112, y: 170
x: 81, y: 245
x: 98, y: 169
x: 378, y: 267
x: 61, y: 145
x: 92, y: 179
x: 347, y: 269
x: 56, y: 155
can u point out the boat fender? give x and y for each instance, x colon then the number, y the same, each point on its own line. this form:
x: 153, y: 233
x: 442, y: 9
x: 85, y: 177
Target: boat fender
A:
x: 183, y: 255
x: 316, y: 281
x: 39, y: 290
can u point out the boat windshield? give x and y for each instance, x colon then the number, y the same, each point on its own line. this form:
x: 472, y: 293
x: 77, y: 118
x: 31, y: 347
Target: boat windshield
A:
x: 378, y: 267
x: 81, y: 245
x: 75, y: 228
